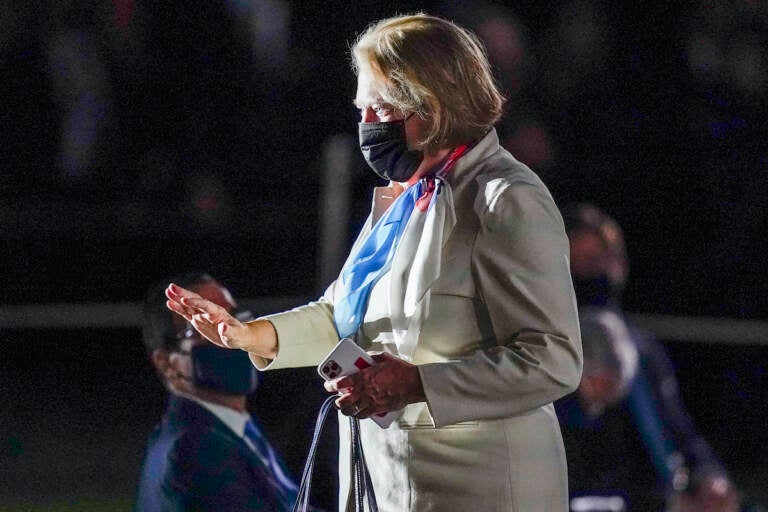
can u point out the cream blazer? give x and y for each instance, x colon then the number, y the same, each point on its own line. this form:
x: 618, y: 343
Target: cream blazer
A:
x: 501, y: 343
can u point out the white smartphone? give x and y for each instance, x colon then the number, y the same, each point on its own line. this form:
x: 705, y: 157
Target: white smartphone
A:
x: 346, y: 358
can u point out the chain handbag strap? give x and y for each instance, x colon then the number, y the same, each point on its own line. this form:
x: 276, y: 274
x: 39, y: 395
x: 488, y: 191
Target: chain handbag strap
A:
x: 361, y: 478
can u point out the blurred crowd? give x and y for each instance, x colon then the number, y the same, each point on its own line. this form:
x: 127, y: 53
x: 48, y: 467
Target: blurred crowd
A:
x: 217, y: 112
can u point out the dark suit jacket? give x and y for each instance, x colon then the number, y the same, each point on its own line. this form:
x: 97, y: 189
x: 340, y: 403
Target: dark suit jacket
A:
x: 195, y: 462
x: 629, y: 450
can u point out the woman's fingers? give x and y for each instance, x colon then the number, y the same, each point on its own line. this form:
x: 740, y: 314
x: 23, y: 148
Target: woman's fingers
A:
x: 187, y: 298
x: 205, y: 309
x: 353, y: 401
x: 212, y: 321
x: 341, y: 385
x: 190, y: 304
x: 175, y: 294
x: 389, y: 385
x: 178, y: 308
x: 353, y: 404
x: 178, y: 291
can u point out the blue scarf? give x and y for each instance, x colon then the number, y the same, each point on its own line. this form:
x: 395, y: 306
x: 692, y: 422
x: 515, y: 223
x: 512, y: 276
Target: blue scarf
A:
x: 372, y: 260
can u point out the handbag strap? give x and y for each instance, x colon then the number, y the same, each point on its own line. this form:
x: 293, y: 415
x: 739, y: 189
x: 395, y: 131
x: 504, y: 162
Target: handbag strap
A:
x: 362, y: 484
x: 302, y: 500
x: 361, y: 478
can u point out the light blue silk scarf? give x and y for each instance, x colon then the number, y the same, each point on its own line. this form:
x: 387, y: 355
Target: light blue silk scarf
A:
x: 372, y: 260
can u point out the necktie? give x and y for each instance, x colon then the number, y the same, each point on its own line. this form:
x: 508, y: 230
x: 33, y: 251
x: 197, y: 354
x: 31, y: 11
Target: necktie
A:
x: 284, y: 487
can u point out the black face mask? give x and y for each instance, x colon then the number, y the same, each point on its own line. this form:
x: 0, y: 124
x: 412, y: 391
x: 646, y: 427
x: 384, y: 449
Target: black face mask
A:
x: 385, y: 149
x: 596, y: 291
x: 224, y: 370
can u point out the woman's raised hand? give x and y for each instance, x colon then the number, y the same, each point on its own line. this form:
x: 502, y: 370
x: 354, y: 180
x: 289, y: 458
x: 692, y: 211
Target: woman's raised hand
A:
x: 210, y: 320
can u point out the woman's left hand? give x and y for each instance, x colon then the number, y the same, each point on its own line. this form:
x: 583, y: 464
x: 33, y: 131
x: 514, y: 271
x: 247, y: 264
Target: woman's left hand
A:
x: 389, y: 385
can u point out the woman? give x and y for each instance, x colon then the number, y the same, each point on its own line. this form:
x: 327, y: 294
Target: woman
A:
x: 459, y: 281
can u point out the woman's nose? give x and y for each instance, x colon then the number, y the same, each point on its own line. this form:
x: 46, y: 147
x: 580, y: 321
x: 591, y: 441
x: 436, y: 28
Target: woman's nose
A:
x: 369, y: 116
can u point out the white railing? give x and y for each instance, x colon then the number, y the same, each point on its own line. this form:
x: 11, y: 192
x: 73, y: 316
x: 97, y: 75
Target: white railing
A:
x: 128, y: 314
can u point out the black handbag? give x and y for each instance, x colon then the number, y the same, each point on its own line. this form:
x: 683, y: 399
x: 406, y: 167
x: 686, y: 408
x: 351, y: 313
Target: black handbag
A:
x: 361, y: 479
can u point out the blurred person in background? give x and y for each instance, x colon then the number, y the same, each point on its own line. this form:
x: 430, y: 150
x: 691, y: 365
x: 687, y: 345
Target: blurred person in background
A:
x: 626, y: 430
x: 207, y: 453
x: 459, y: 281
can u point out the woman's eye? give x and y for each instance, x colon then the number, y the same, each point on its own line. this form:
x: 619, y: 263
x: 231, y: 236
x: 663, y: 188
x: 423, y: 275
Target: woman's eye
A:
x: 381, y: 110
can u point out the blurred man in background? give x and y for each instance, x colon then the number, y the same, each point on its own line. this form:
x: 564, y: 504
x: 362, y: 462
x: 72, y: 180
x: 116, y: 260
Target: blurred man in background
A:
x: 626, y: 431
x: 207, y: 453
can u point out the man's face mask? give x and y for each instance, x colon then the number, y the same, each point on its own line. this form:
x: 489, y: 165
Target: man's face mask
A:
x: 224, y: 370
x: 597, y: 291
x: 385, y: 148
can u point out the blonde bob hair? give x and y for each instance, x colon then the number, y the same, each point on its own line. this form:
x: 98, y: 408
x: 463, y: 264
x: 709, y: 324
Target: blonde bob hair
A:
x: 435, y: 68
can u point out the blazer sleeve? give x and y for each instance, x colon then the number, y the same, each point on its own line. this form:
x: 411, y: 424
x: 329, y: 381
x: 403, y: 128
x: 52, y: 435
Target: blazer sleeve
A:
x: 658, y: 371
x: 520, y: 265
x: 305, y: 335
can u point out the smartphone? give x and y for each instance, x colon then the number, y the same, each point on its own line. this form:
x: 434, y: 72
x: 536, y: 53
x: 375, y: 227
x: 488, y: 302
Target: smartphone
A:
x: 345, y: 359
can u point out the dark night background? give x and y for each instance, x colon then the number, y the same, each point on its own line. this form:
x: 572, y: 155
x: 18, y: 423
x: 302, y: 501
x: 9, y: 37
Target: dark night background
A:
x: 142, y: 139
